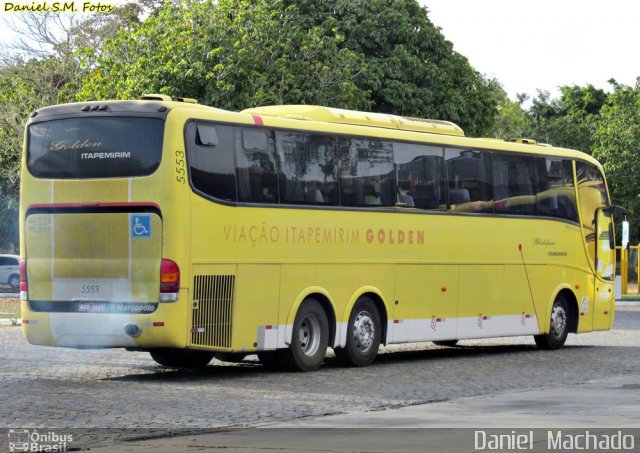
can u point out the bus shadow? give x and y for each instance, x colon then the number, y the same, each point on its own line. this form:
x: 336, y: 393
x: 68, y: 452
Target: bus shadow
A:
x: 461, y: 351
x: 226, y: 370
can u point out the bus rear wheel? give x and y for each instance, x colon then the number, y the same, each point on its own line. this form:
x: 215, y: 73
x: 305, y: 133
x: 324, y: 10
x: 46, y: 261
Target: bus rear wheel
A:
x: 309, y: 341
x: 363, y: 335
x: 558, y: 328
x: 181, y: 358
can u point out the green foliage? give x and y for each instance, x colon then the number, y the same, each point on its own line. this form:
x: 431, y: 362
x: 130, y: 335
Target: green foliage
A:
x: 412, y: 69
x: 231, y: 54
x: 512, y: 121
x: 24, y: 87
x: 9, y: 242
x: 617, y: 145
x: 567, y: 121
x: 377, y: 55
x: 40, y: 78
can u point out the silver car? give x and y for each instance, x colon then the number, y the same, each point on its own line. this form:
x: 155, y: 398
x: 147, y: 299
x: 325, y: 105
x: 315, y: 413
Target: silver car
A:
x: 9, y: 270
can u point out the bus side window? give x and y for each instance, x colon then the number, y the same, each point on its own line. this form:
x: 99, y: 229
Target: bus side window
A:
x: 256, y: 167
x: 514, y: 184
x: 211, y: 160
x: 366, y: 172
x: 556, y: 194
x: 307, y: 168
x: 469, y: 183
x: 420, y: 175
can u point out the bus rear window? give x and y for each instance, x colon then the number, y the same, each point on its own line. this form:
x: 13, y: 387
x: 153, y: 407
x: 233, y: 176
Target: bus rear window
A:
x: 96, y: 147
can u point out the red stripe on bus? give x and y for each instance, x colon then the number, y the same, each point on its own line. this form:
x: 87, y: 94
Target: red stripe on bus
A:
x: 93, y: 205
x: 257, y: 119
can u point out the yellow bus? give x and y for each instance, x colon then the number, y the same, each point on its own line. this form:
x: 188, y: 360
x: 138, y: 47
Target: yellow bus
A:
x: 187, y: 231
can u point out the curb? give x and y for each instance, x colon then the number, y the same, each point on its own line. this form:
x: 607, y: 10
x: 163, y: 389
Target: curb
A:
x: 627, y: 303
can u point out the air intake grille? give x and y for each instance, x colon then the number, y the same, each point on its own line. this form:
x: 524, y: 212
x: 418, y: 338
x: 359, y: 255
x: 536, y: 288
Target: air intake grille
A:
x: 212, y: 310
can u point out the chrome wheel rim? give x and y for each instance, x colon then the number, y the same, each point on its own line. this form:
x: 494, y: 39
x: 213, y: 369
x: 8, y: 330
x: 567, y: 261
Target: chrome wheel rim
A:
x: 558, y: 321
x: 364, y: 331
x: 309, y: 335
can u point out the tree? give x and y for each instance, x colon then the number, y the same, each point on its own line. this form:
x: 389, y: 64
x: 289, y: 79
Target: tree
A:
x: 512, y: 121
x: 411, y: 68
x: 617, y: 145
x: 381, y: 55
x: 568, y: 120
x: 9, y: 242
x: 41, y: 68
x: 231, y: 54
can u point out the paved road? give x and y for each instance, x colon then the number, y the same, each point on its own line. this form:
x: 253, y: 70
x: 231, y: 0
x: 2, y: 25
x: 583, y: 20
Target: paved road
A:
x: 65, y: 388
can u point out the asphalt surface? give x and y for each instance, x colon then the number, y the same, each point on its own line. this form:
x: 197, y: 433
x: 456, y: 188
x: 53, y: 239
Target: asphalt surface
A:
x: 119, y: 400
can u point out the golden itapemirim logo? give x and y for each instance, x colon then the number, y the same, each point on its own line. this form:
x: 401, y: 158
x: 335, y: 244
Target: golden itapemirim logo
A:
x: 58, y: 7
x: 78, y: 144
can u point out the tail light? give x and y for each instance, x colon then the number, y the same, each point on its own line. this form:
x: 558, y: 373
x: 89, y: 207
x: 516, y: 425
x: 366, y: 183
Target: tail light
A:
x: 24, y: 285
x: 169, y: 281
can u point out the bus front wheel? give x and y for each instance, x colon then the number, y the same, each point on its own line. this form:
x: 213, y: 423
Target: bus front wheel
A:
x: 310, y: 338
x: 558, y: 327
x: 363, y: 335
x: 181, y: 358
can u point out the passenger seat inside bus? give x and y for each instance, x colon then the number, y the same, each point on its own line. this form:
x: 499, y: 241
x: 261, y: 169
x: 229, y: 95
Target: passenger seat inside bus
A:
x: 314, y: 196
x: 457, y: 196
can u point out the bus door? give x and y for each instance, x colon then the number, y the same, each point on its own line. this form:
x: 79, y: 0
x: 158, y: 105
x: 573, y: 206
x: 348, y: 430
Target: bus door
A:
x: 605, y: 265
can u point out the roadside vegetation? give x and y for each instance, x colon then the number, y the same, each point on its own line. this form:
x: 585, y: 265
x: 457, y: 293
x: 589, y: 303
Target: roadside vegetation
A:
x: 10, y: 309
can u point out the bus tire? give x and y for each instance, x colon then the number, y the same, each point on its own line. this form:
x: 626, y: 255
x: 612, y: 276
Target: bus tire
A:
x: 181, y: 358
x: 309, y: 340
x: 558, y: 326
x: 447, y: 343
x: 364, y: 332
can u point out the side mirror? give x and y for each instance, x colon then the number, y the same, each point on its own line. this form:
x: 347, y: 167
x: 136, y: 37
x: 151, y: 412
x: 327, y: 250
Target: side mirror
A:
x: 619, y: 211
x: 625, y: 234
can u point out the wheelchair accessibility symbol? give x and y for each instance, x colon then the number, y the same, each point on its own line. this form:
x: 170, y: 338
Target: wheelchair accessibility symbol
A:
x: 140, y: 225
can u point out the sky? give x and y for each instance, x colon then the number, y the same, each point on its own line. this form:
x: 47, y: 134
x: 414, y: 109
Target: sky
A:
x: 542, y: 44
x: 530, y: 44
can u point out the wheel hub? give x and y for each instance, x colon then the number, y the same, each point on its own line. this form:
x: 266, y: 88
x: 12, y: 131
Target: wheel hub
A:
x: 558, y: 321
x: 309, y: 335
x: 363, y: 331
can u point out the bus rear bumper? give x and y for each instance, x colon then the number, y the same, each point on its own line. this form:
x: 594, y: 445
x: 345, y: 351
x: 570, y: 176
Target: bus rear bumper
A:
x: 98, y: 330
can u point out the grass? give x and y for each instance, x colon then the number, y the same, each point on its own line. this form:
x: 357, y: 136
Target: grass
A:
x: 11, y: 305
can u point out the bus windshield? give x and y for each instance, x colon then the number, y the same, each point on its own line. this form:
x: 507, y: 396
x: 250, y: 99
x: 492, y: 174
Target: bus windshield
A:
x: 94, y: 147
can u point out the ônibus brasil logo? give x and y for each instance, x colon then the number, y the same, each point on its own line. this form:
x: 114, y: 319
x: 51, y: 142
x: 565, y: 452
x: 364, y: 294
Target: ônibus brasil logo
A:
x: 32, y: 440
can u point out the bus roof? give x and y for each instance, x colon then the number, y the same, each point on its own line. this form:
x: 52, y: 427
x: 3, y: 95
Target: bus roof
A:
x: 317, y: 118
x: 341, y: 116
